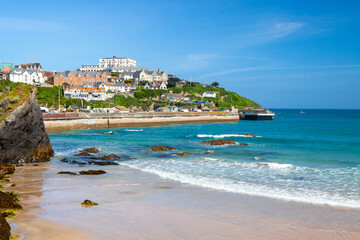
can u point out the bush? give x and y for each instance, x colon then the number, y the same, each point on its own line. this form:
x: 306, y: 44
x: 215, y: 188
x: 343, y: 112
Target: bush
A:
x: 4, y: 103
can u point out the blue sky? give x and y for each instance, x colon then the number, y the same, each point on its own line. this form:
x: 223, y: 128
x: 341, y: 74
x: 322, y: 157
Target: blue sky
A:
x: 280, y: 53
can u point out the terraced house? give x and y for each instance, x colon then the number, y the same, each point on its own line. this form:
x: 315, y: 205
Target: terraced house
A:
x: 86, y: 93
x: 77, y: 78
x: 146, y: 75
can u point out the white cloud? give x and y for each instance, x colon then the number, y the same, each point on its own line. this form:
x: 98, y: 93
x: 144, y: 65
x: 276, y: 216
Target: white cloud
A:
x: 196, y: 61
x: 272, y: 68
x: 29, y: 25
x: 263, y: 33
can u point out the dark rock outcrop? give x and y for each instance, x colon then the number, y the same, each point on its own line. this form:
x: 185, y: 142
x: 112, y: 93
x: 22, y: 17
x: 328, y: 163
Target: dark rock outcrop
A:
x: 22, y: 132
x: 90, y: 150
x: 110, y: 157
x: 86, y: 152
x: 243, y: 144
x: 103, y: 163
x: 248, y: 134
x: 208, y: 152
x: 219, y: 142
x: 88, y: 203
x: 4, y: 229
x: 161, y: 148
x: 92, y: 172
x: 6, y: 168
x: 183, y: 153
x: 67, y: 172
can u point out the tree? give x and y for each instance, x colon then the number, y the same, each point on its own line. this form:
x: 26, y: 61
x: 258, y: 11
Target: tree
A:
x: 143, y: 83
x: 128, y: 81
x: 173, y: 81
x: 215, y: 84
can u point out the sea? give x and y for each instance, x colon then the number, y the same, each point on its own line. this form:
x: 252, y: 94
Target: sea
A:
x: 310, y: 157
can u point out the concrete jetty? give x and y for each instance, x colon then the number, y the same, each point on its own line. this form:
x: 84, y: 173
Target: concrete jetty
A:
x: 57, y: 122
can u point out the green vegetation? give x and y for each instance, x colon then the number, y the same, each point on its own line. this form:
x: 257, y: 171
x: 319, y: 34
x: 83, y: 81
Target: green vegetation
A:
x: 224, y: 99
x: 16, y: 236
x: 215, y: 84
x: 13, y: 95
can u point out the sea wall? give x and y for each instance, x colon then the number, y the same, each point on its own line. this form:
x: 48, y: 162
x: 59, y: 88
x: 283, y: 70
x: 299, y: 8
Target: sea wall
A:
x: 69, y: 121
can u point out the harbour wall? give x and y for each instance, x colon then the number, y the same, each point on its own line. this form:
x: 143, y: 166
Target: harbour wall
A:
x: 58, y: 122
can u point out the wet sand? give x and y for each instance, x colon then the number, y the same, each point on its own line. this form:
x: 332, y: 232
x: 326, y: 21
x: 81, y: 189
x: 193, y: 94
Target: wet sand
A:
x: 29, y: 181
x: 138, y: 205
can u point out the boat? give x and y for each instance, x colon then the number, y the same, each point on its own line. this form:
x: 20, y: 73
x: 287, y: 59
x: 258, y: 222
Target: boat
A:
x: 257, y: 114
x: 301, y: 112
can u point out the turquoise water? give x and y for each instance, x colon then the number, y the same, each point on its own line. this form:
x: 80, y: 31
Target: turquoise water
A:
x: 312, y: 157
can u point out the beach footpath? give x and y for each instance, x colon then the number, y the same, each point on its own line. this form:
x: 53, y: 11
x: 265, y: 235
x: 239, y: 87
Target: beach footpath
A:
x: 57, y: 122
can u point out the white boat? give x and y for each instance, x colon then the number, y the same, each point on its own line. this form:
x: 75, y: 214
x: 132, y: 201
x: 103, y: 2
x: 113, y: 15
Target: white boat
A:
x: 301, y: 112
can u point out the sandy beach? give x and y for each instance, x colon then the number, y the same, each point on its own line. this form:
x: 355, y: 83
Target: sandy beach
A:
x: 29, y: 181
x: 145, y: 206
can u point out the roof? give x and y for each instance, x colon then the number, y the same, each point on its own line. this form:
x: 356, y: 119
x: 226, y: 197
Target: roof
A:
x: 74, y: 107
x: 22, y: 70
x: 210, y: 92
x: 86, y: 89
x: 83, y: 73
x: 122, y: 69
x: 155, y: 83
x: 114, y: 57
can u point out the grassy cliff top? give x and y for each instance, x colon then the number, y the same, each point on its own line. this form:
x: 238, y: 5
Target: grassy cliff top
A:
x: 14, y: 98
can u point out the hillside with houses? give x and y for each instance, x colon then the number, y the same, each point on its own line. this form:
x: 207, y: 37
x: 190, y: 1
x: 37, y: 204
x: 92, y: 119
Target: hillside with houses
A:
x: 118, y: 84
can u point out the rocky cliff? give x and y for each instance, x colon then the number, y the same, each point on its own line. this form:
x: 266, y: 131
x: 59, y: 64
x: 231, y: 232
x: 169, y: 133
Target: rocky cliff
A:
x: 22, y: 131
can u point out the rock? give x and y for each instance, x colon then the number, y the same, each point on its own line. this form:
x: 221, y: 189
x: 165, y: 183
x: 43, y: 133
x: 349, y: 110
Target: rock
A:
x: 9, y: 200
x: 106, y: 133
x: 243, y: 144
x: 92, y: 172
x: 183, y: 153
x: 66, y: 172
x: 248, y: 134
x: 22, y: 131
x: 13, y: 185
x: 83, y: 154
x: 35, y: 165
x: 219, y: 142
x: 6, y: 168
x: 88, y: 203
x: 86, y: 152
x: 64, y: 160
x: 4, y: 229
x: 110, y: 157
x: 90, y: 150
x: 208, y: 152
x: 103, y: 163
x: 161, y: 148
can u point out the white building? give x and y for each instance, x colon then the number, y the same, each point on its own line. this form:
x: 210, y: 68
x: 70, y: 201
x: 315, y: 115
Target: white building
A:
x: 126, y: 75
x: 32, y: 77
x: 210, y: 94
x: 116, y: 62
x: 146, y: 75
x: 155, y: 85
x: 86, y: 93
